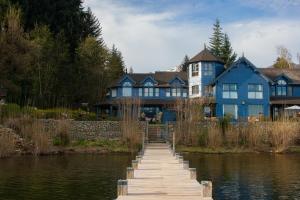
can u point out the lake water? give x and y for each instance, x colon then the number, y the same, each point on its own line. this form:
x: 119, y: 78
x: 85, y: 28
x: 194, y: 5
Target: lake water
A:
x: 89, y: 177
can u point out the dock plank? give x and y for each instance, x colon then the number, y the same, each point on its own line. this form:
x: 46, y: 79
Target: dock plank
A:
x: 161, y: 176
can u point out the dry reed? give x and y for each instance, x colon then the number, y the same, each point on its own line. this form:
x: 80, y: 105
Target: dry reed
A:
x: 130, y: 126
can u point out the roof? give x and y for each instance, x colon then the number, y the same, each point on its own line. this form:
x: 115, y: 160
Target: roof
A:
x: 205, y: 55
x: 236, y: 63
x: 274, y: 73
x: 161, y: 77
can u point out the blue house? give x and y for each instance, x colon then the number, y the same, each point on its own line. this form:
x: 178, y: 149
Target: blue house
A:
x: 157, y: 93
x: 242, y: 91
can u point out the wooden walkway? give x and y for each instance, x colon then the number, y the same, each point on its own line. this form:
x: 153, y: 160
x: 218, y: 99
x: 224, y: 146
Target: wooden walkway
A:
x: 160, y: 175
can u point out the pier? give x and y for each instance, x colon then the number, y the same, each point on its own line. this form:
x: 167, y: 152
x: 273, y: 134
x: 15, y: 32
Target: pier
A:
x: 159, y: 173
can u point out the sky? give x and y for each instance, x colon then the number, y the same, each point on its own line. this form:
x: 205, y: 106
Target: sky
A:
x: 155, y: 35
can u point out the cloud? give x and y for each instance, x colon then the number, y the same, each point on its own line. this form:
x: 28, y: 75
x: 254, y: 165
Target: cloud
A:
x: 158, y: 39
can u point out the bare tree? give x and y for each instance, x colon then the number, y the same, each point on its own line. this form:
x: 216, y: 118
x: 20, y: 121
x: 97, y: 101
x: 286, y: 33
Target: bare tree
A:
x: 284, y: 59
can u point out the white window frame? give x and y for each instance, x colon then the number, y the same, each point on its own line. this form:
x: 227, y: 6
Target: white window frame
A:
x: 257, y: 92
x: 228, y: 92
x: 235, y: 115
x: 113, y: 92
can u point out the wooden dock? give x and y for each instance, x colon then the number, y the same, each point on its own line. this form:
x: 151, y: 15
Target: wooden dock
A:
x: 158, y: 174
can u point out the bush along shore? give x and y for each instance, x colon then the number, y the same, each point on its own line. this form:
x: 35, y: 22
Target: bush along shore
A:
x: 27, y: 131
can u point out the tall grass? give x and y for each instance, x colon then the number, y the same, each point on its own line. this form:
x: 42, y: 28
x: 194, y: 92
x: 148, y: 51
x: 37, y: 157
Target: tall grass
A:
x: 192, y: 130
x: 130, y: 125
x: 7, y: 143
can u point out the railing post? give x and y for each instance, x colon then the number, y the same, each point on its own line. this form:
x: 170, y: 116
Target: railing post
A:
x: 193, y: 173
x: 185, y: 164
x: 173, y: 139
x: 130, y: 173
x: 135, y: 164
x: 139, y: 159
x: 207, y: 188
x: 122, y: 187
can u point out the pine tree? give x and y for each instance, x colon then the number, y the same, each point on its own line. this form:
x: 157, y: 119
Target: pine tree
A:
x: 216, y: 41
x: 185, y: 63
x: 227, y: 54
x: 116, y: 64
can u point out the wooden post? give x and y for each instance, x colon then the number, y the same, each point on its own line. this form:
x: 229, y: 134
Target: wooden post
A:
x: 122, y: 187
x: 130, y: 173
x: 139, y: 159
x: 180, y: 158
x: 193, y: 173
x: 185, y: 164
x: 207, y: 188
x: 135, y: 164
x: 173, y: 139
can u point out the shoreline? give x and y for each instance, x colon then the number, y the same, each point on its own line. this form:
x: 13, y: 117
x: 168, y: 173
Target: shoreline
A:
x: 182, y: 149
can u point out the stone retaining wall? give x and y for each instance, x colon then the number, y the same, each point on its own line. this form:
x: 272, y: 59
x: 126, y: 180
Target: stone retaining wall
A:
x: 89, y: 130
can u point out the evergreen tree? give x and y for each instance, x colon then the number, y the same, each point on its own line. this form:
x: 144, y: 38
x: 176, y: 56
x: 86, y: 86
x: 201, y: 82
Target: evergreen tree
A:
x: 16, y: 58
x: 116, y: 64
x: 216, y: 41
x: 227, y: 54
x: 91, y: 25
x: 185, y: 63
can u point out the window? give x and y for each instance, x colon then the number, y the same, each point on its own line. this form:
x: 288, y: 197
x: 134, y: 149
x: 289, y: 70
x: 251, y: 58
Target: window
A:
x: 255, y: 91
x: 113, y: 93
x: 140, y: 92
x: 178, y: 92
x: 195, y: 89
x: 174, y: 92
x: 146, y: 92
x: 127, y: 92
x: 281, y: 88
x: 230, y: 110
x: 208, y: 91
x: 148, y: 84
x: 157, y: 92
x: 207, y: 69
x: 230, y: 91
x: 151, y: 92
x: 184, y: 92
x: 127, y: 84
x: 255, y: 110
x: 195, y: 69
x: 290, y: 91
x: 168, y: 92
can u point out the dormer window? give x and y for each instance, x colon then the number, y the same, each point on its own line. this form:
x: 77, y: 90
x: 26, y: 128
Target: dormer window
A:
x: 195, y: 69
x: 127, y: 89
x: 127, y: 84
x: 281, y: 88
x: 148, y: 84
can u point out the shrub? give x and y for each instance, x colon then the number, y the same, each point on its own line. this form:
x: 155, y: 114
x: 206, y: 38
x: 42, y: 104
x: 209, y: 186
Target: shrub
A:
x: 62, y: 135
x: 7, y: 143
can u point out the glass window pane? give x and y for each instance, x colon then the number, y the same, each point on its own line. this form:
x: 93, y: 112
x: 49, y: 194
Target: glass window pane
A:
x: 233, y: 95
x: 127, y: 92
x: 150, y: 92
x: 178, y: 92
x: 225, y: 87
x: 259, y: 95
x: 168, y: 93
x: 174, y: 92
x: 140, y: 92
x: 157, y: 92
x: 255, y: 110
x: 113, y: 92
x: 251, y: 95
x: 226, y: 95
x: 230, y: 110
x: 146, y: 92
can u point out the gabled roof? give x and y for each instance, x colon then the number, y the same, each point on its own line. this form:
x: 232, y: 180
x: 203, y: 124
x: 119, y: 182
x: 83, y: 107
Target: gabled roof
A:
x: 205, y: 55
x: 162, y: 78
x: 248, y: 63
x: 275, y: 73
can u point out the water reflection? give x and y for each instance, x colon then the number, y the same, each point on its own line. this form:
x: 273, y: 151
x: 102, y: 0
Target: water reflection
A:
x: 89, y: 177
x: 250, y: 176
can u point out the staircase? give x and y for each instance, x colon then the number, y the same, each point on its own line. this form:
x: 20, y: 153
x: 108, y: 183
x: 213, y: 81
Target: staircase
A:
x: 157, y: 133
